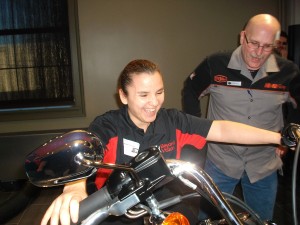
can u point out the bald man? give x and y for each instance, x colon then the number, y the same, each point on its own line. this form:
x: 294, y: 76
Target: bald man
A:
x: 247, y: 85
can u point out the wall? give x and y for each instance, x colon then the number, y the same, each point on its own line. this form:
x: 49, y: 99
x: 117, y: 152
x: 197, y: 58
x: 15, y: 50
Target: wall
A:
x: 293, y: 9
x: 176, y: 34
x: 15, y: 148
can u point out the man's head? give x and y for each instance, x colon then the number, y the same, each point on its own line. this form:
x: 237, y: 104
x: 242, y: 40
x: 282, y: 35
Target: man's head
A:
x: 282, y: 45
x: 258, y: 39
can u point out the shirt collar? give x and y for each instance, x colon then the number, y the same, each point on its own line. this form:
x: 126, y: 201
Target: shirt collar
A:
x: 236, y: 62
x: 128, y: 119
x: 154, y: 127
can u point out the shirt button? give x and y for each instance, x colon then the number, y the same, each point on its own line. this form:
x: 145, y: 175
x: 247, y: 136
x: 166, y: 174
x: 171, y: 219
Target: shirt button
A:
x: 251, y: 100
x: 249, y: 117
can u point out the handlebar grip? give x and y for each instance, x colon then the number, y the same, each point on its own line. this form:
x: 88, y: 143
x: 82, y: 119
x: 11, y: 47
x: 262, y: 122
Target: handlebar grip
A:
x: 97, y: 200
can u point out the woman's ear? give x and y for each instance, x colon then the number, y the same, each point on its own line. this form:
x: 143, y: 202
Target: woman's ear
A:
x: 123, y: 96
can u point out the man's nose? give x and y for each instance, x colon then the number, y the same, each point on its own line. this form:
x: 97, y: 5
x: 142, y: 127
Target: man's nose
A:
x: 260, y: 50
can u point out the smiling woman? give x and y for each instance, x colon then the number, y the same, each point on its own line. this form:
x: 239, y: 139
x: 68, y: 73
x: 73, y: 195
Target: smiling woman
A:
x: 38, y: 70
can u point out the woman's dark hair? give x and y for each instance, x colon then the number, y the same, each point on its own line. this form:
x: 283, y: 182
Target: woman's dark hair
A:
x: 135, y: 67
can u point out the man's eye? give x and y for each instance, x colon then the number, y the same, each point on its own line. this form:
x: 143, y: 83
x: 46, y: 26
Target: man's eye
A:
x: 254, y: 43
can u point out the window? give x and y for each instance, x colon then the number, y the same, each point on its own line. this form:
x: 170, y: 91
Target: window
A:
x: 40, y: 74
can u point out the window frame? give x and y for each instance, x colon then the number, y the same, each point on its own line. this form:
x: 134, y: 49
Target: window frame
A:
x: 76, y: 110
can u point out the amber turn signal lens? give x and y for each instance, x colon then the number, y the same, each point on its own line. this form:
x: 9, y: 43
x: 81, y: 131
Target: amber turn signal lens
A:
x: 176, y: 219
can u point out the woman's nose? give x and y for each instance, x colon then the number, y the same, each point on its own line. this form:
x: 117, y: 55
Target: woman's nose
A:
x: 154, y: 100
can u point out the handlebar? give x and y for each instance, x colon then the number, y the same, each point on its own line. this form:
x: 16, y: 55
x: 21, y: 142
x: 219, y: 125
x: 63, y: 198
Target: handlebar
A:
x: 100, y: 204
x: 97, y: 200
x: 129, y: 185
x: 115, y: 207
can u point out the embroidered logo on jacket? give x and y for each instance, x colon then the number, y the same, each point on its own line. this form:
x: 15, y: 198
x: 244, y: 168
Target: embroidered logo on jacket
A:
x: 220, y: 78
x: 275, y: 86
x: 168, y: 147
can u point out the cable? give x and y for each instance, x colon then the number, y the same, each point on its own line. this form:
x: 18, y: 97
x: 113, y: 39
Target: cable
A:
x: 294, y: 179
x: 234, y: 200
x: 242, y: 205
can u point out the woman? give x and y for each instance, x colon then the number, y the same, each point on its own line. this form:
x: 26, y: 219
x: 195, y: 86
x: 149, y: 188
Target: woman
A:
x: 142, y: 123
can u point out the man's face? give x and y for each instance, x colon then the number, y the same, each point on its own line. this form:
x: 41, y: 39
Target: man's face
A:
x: 282, y: 47
x: 281, y: 44
x: 145, y: 97
x: 257, y: 46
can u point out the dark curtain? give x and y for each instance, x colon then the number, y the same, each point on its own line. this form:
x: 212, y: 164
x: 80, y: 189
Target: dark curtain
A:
x: 294, y: 43
x: 35, y: 57
x: 293, y: 115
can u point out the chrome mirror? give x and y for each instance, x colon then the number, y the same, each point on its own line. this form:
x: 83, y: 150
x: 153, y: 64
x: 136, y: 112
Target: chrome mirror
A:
x: 64, y: 158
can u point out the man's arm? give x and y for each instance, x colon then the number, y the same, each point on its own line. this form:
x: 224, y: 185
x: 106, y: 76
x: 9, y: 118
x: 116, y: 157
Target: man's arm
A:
x: 195, y: 85
x: 292, y: 112
x: 190, y: 99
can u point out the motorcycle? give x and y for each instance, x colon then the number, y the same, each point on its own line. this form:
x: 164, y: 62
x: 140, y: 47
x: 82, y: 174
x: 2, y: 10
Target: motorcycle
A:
x: 130, y: 188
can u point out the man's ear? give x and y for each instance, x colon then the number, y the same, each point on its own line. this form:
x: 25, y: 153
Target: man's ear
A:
x: 123, y: 96
x: 242, y: 37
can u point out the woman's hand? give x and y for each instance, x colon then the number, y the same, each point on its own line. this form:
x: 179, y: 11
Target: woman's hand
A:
x: 66, y: 206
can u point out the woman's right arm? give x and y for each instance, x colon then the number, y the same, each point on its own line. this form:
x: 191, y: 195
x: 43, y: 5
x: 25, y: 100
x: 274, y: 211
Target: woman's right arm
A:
x: 66, y: 206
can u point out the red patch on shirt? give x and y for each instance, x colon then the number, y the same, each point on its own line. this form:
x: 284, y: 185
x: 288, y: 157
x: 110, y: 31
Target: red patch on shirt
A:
x: 220, y: 78
x: 275, y: 86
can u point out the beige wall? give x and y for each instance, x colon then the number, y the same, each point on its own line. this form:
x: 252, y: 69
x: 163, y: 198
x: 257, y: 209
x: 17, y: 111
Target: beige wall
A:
x: 176, y: 34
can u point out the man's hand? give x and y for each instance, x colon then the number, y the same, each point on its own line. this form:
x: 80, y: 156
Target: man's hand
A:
x: 290, y: 135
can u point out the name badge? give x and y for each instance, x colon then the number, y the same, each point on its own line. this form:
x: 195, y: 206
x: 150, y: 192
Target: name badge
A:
x: 131, y: 148
x: 234, y: 83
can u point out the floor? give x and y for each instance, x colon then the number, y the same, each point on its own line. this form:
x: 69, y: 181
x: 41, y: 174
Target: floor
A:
x: 33, y: 212
x: 35, y: 209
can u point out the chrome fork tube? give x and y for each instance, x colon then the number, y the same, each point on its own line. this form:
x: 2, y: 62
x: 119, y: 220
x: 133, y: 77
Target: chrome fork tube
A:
x: 203, y: 181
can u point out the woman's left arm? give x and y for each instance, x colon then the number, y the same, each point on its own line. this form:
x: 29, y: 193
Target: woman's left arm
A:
x: 238, y: 133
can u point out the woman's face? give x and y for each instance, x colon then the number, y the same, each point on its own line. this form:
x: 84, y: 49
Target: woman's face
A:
x: 145, y: 97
